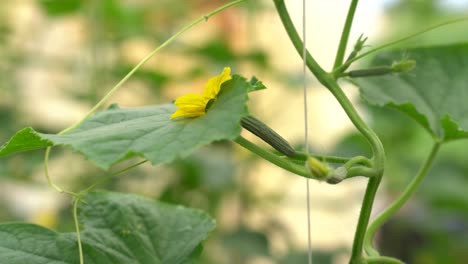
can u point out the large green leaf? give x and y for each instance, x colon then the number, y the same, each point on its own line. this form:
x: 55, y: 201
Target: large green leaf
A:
x: 117, y: 229
x: 118, y: 133
x: 435, y: 93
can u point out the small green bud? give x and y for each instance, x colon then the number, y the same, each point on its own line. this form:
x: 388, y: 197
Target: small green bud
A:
x: 318, y: 169
x: 357, y: 48
x: 360, y: 43
x: 403, y: 66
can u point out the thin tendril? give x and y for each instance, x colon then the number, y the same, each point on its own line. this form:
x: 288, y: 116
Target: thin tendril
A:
x: 306, y: 129
x: 110, y: 176
x: 77, y: 228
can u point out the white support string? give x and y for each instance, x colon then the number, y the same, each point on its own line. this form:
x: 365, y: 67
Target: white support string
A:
x: 306, y: 129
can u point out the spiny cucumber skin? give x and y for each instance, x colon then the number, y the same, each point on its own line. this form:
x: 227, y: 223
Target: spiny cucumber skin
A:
x: 268, y: 135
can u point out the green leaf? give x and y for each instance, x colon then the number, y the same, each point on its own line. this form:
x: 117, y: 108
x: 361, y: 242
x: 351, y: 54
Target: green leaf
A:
x: 118, y: 133
x: 25, y: 139
x: 116, y: 228
x: 435, y: 93
x: 256, y: 85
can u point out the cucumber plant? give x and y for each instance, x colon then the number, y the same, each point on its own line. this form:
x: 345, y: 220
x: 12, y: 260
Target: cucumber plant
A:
x: 429, y: 85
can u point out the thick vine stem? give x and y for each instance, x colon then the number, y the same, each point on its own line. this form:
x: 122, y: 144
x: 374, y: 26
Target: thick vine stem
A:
x: 312, y: 65
x: 378, y: 152
x: 362, y: 127
x: 328, y: 81
x: 397, y: 204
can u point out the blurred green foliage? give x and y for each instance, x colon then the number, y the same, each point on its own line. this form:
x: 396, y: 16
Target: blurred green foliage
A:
x: 58, y: 7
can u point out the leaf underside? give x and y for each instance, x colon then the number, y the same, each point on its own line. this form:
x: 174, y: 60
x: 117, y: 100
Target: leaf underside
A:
x: 435, y: 93
x: 116, y: 229
x: 119, y: 133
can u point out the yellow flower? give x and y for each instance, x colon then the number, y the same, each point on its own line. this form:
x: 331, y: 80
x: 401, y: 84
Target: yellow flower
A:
x: 194, y: 105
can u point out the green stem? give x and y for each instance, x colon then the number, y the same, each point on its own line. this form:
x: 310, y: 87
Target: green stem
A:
x: 358, y: 160
x: 383, y: 260
x: 363, y: 221
x: 361, y: 126
x: 397, y: 204
x: 328, y: 81
x: 379, y: 155
x: 374, y: 182
x: 77, y: 228
x: 361, y: 171
x: 273, y: 158
x: 345, y: 34
x: 296, y: 40
x: 49, y: 179
x: 302, y: 156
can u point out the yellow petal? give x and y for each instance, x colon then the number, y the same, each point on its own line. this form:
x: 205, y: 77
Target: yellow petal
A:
x: 194, y: 105
x: 191, y: 99
x: 213, y: 85
x: 182, y: 113
x: 190, y: 105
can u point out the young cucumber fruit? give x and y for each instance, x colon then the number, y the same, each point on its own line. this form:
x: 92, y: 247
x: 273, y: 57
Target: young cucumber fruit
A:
x: 268, y: 135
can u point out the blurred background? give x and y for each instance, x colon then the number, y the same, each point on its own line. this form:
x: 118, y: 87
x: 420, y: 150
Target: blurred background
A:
x: 59, y: 57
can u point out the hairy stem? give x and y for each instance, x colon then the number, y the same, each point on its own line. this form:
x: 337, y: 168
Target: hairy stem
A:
x: 345, y: 34
x: 398, y: 203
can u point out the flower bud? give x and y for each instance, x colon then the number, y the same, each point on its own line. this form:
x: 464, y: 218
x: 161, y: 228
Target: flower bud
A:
x: 318, y: 169
x: 404, y: 66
